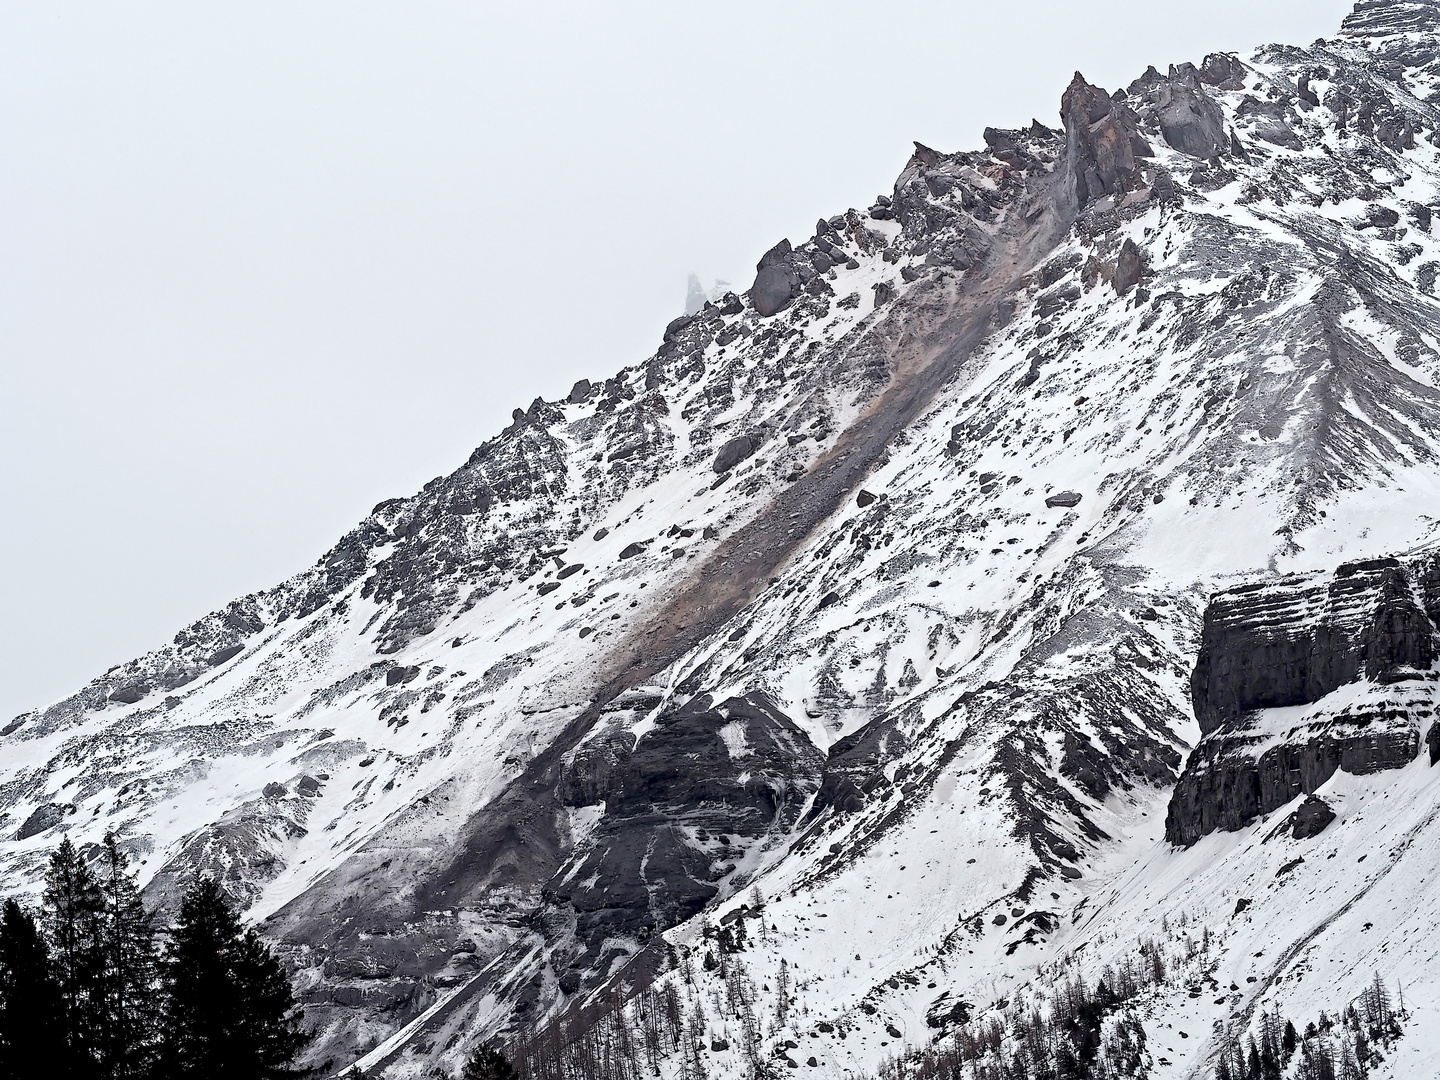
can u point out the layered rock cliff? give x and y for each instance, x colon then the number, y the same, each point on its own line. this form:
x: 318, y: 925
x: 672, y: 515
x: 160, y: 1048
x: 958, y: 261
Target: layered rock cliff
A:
x: 1301, y: 677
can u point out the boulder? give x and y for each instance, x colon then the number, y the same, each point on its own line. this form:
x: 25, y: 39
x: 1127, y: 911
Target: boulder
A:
x: 128, y: 695
x: 734, y: 452
x: 1222, y: 71
x: 631, y: 550
x: 675, y: 326
x: 1310, y: 819
x: 398, y: 675
x: 1129, y: 267
x: 776, y: 280
x: 1065, y: 498
x: 864, y: 499
x: 1278, y: 133
x: 1189, y: 120
x: 228, y: 653
x: 308, y: 786
x: 44, y: 817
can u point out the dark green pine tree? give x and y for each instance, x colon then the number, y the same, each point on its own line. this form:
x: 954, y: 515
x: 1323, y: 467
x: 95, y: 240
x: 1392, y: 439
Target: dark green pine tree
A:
x: 71, y: 911
x: 487, y: 1063
x: 32, y: 1037
x: 229, y: 1011
x: 129, y: 1007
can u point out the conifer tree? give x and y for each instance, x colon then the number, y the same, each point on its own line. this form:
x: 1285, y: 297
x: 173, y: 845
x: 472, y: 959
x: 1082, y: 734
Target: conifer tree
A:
x: 72, y: 907
x: 229, y: 1011
x: 129, y: 1011
x: 487, y: 1063
x: 32, y: 1037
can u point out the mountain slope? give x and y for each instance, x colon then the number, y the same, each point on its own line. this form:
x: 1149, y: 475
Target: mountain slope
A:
x: 873, y: 596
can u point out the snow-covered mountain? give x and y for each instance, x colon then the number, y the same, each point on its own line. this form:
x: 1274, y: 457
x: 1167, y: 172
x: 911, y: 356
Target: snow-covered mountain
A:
x: 1034, y: 577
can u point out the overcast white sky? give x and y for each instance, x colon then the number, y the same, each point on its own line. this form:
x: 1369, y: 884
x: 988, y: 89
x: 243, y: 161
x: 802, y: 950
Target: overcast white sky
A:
x: 263, y: 265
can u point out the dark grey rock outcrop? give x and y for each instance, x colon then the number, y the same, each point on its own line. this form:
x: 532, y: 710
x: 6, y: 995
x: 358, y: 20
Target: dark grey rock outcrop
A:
x: 1129, y: 267
x: 42, y: 818
x: 1222, y: 71
x: 1292, y: 642
x: 681, y: 807
x: 1103, y: 142
x: 1225, y: 786
x: 734, y: 452
x: 1189, y: 120
x: 776, y: 280
x: 1278, y: 645
x: 1311, y: 818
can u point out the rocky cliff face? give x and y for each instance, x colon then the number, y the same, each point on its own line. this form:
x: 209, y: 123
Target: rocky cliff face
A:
x: 876, y: 591
x: 1304, y: 676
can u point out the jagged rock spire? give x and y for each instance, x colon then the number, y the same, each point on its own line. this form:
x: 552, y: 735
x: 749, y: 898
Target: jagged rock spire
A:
x: 1104, y: 141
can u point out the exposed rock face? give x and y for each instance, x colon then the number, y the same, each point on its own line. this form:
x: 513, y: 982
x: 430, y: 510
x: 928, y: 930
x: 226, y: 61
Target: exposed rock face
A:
x: 44, y: 817
x: 699, y: 789
x: 1222, y: 71
x: 1291, y: 643
x: 1103, y: 141
x: 1230, y: 780
x: 1356, y: 647
x: 1129, y: 267
x: 1190, y: 121
x: 1403, y: 30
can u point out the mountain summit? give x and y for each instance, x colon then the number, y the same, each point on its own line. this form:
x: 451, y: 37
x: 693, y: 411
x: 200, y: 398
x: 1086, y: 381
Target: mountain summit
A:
x: 1001, y: 640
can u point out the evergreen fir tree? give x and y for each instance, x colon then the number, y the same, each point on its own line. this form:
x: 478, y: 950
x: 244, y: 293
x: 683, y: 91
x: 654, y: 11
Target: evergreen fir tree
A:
x: 229, y: 1011
x: 487, y: 1063
x: 72, y: 913
x: 129, y: 1010
x: 32, y: 1037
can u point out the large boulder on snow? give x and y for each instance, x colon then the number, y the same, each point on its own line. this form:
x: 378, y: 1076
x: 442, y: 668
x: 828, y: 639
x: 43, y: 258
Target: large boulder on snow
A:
x: 734, y: 452
x: 776, y: 280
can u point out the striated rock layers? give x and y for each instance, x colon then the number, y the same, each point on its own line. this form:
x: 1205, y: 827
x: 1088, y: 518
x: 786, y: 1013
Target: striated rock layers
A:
x: 1301, y: 677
